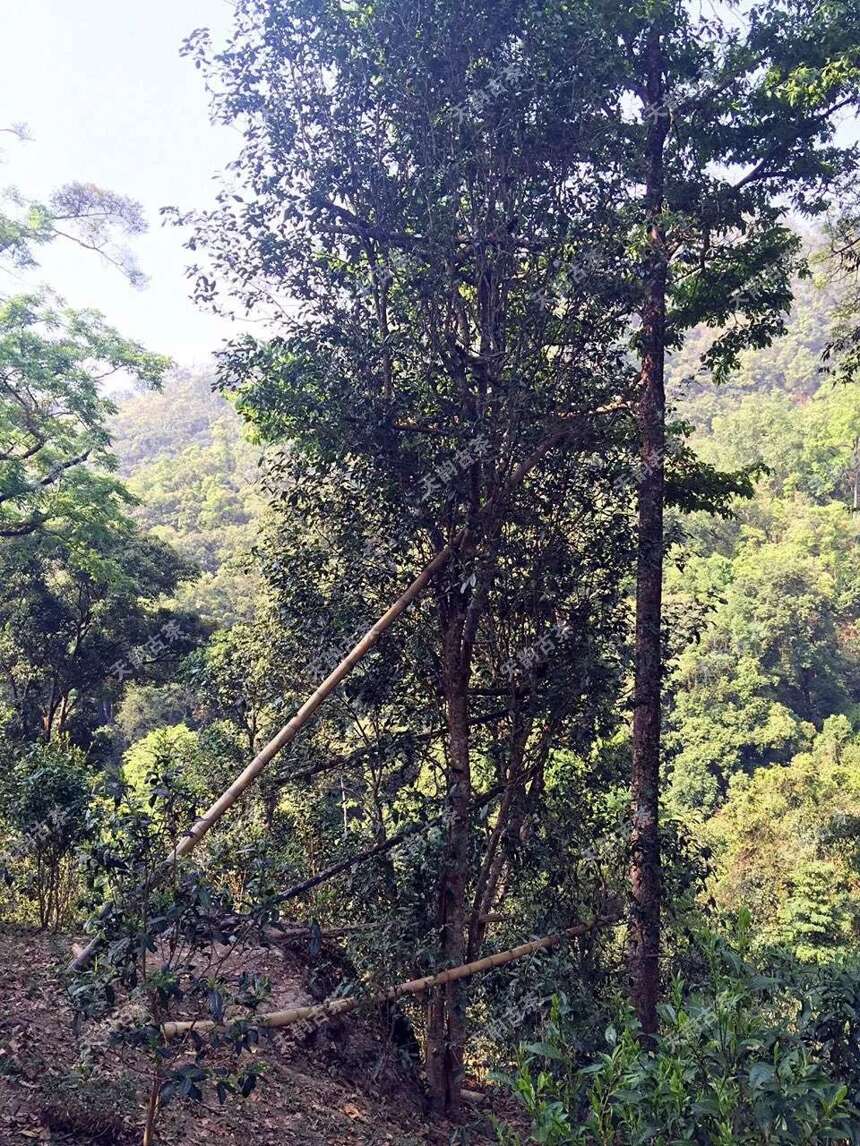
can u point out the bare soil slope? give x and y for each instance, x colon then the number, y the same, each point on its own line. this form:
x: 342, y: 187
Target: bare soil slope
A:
x: 341, y: 1083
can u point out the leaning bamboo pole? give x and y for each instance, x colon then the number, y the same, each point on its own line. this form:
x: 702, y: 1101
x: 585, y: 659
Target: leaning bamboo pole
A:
x: 328, y: 1010
x: 291, y: 729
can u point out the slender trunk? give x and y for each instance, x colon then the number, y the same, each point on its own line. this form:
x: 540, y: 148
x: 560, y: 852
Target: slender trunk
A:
x: 645, y: 874
x: 446, y: 1016
x: 495, y: 853
x: 48, y: 718
x: 63, y: 714
x: 151, y: 1113
x: 491, y: 870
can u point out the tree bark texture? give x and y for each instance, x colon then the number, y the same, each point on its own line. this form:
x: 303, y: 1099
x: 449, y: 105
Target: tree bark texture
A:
x: 645, y: 862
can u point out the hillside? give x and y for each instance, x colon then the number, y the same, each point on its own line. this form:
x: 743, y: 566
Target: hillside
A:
x: 342, y: 1083
x: 151, y: 425
x: 438, y: 720
x: 196, y: 476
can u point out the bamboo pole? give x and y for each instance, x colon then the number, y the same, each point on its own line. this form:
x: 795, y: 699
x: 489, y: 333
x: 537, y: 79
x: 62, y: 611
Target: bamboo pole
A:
x: 290, y: 730
x: 322, y: 1011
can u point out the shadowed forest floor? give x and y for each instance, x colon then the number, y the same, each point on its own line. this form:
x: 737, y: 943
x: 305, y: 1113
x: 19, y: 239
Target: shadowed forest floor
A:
x: 340, y: 1083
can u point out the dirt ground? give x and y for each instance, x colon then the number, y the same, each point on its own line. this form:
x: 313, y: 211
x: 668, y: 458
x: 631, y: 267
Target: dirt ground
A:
x: 341, y: 1083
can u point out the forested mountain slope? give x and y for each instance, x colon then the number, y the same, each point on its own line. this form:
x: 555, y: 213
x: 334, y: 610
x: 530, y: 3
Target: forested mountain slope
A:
x: 476, y: 661
x: 765, y: 669
x: 196, y: 475
x: 148, y: 425
x: 793, y: 364
x: 763, y: 708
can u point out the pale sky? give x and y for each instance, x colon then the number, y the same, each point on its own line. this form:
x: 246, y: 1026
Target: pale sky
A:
x: 108, y: 100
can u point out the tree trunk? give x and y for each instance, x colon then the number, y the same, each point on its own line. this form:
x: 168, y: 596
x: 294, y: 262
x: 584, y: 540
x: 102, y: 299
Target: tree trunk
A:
x: 151, y: 1112
x: 290, y: 730
x: 446, y: 1012
x: 505, y: 831
x: 645, y: 875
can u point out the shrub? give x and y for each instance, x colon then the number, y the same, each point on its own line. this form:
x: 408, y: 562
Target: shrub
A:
x: 46, y: 809
x: 741, y: 1058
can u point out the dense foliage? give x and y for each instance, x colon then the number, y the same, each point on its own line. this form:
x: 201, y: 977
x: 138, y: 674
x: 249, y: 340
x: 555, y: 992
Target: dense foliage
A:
x: 743, y: 1056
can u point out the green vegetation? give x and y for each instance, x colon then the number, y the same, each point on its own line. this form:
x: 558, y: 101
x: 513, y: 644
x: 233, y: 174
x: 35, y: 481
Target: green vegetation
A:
x: 197, y: 480
x: 53, y: 417
x: 630, y: 693
x: 744, y: 1056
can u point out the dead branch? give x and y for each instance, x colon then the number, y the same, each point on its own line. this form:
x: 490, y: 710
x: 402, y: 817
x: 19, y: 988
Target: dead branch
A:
x: 377, y: 850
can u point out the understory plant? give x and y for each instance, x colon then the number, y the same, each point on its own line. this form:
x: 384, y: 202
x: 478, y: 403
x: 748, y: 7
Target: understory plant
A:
x: 741, y: 1057
x: 172, y: 946
x: 44, y: 819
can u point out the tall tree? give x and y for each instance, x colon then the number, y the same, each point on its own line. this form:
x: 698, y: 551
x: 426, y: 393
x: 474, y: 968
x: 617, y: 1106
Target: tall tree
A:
x: 83, y: 214
x: 645, y: 877
x: 55, y: 457
x: 443, y: 214
x: 54, y: 441
x: 737, y: 127
x: 418, y: 213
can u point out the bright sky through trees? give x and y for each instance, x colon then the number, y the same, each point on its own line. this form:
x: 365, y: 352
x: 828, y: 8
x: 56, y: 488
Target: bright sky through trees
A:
x: 112, y: 102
